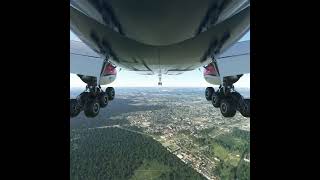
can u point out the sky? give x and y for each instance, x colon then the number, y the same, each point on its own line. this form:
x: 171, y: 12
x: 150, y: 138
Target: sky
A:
x: 132, y: 79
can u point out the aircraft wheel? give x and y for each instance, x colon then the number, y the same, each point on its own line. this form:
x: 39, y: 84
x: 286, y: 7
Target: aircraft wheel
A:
x: 111, y: 93
x: 74, y: 108
x: 103, y: 99
x: 208, y: 93
x: 92, y: 108
x: 245, y: 108
x: 236, y: 96
x: 215, y: 99
x: 228, y: 107
x: 84, y: 96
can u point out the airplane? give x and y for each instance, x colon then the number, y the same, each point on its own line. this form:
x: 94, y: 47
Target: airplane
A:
x: 160, y: 37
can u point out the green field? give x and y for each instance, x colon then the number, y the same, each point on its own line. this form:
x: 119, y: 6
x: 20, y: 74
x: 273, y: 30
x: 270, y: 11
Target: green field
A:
x: 229, y: 148
x: 150, y: 170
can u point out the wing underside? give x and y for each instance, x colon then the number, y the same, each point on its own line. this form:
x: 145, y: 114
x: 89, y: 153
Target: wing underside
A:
x: 159, y: 59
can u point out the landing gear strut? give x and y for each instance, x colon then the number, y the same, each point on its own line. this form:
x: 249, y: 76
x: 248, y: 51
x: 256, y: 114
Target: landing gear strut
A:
x: 228, y: 100
x: 91, y: 100
x: 159, y: 83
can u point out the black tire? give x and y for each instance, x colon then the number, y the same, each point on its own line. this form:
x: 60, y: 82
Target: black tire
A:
x: 208, y: 93
x: 92, y: 108
x: 216, y: 99
x: 103, y: 99
x: 84, y: 96
x: 111, y: 93
x: 227, y: 107
x: 74, y: 108
x: 236, y: 96
x: 245, y: 108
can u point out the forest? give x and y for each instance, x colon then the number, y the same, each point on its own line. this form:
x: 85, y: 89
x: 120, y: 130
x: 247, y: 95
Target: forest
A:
x: 113, y: 153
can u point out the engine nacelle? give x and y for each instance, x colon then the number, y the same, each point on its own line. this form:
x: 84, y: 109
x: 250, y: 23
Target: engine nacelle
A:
x: 108, y: 74
x: 211, y: 74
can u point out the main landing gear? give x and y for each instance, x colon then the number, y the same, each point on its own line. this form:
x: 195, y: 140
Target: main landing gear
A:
x: 228, y: 100
x: 91, y: 100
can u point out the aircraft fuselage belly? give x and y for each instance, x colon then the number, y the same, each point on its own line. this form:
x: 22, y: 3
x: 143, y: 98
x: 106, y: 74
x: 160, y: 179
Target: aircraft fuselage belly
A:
x: 156, y: 37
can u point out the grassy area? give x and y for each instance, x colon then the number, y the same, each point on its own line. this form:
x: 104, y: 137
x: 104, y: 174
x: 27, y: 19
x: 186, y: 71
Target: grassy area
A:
x: 243, y: 171
x: 223, y: 154
x: 173, y: 147
x: 233, y: 160
x: 150, y: 170
x: 219, y: 151
x: 233, y: 144
x: 212, y: 130
x: 230, y: 148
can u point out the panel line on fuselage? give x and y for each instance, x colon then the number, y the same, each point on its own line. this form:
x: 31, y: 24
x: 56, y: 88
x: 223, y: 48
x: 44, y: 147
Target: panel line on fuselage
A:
x: 85, y: 55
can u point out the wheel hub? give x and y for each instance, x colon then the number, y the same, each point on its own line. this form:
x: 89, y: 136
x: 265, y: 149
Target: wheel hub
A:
x: 224, y: 108
x: 95, y: 107
x: 245, y: 107
x: 214, y: 99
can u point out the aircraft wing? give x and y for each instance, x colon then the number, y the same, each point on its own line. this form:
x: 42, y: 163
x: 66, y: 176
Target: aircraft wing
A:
x: 81, y: 49
x: 235, y: 60
x: 83, y: 60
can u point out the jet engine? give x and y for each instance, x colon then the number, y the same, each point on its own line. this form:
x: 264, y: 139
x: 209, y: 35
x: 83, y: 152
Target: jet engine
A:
x: 108, y: 75
x: 211, y: 74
